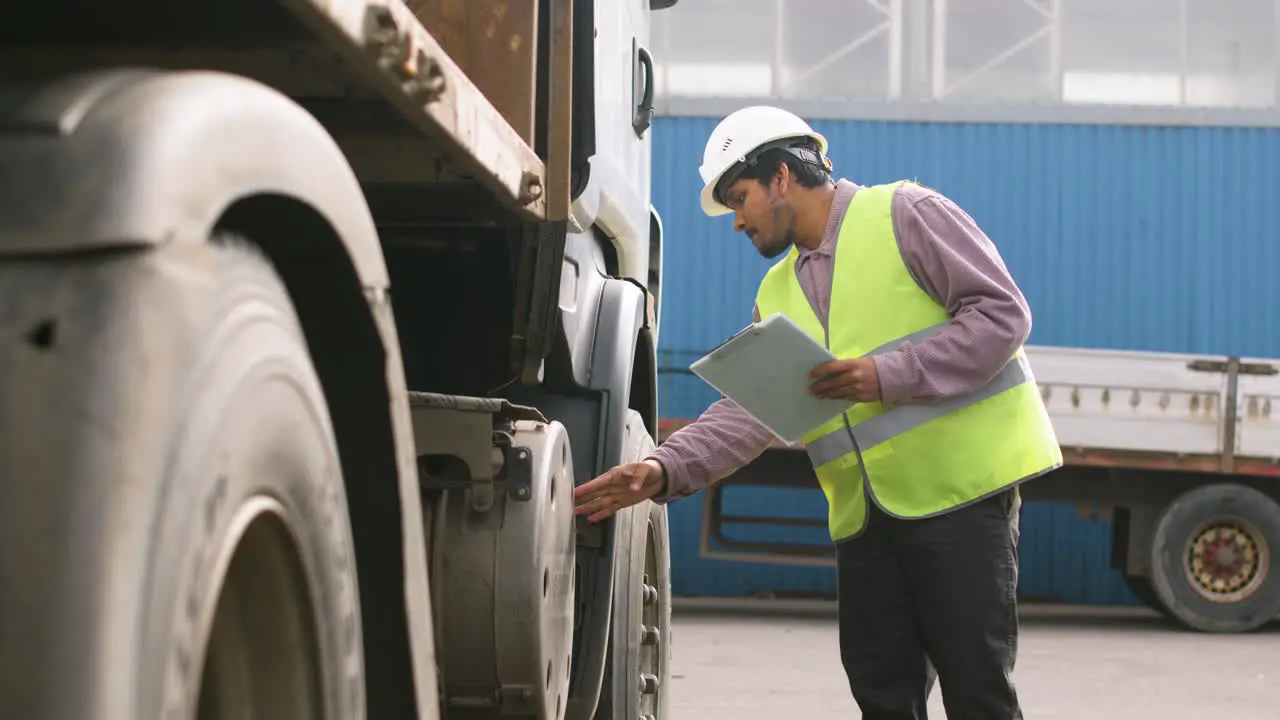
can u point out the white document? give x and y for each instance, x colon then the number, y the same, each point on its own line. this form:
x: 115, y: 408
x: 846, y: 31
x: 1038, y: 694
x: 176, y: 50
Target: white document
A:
x: 765, y: 370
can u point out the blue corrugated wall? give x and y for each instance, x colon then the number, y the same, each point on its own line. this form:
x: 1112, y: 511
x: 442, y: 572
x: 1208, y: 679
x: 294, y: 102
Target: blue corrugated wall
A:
x: 1145, y: 238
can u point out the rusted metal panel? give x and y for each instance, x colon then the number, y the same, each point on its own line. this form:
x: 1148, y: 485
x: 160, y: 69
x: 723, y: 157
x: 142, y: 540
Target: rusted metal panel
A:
x: 560, y: 112
x: 384, y: 41
x: 495, y: 42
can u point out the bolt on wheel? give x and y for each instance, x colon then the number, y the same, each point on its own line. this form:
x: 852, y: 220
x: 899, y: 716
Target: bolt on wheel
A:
x: 651, y: 639
x: 1226, y: 559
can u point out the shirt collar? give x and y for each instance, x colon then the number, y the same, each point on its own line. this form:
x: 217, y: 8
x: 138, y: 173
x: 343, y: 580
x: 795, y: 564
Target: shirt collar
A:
x: 845, y: 191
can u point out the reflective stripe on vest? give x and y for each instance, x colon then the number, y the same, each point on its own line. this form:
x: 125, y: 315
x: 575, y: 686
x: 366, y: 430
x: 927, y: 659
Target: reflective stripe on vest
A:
x: 891, y: 423
x: 921, y: 457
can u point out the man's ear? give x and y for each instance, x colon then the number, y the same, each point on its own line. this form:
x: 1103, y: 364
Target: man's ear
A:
x: 782, y: 178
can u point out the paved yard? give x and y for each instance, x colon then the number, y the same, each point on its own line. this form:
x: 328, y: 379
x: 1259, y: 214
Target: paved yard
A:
x: 736, y: 661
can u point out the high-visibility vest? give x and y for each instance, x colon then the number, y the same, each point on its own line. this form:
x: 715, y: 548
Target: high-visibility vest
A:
x: 922, y: 458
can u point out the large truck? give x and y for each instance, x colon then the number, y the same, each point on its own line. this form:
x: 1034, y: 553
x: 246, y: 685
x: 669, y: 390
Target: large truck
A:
x: 313, y: 313
x: 1180, y: 452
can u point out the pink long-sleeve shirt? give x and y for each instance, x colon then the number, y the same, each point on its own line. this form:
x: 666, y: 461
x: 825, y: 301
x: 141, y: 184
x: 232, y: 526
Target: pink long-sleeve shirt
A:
x: 952, y: 260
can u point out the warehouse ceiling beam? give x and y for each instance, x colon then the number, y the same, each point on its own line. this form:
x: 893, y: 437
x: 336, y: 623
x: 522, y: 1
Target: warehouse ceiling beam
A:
x: 890, y: 28
x: 1051, y: 31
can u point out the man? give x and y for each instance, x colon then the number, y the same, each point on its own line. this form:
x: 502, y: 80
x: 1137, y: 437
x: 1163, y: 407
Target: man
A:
x: 921, y: 474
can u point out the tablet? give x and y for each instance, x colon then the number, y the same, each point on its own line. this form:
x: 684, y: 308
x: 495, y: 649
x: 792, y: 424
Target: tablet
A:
x: 765, y: 370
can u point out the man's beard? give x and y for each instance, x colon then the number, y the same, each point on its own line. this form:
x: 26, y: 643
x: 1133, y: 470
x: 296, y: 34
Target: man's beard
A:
x: 772, y: 251
x: 783, y: 217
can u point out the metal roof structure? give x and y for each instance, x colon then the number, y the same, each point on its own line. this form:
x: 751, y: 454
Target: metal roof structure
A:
x: 1167, y: 62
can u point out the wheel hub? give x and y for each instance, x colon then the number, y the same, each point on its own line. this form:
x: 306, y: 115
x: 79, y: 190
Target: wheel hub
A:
x: 1226, y: 559
x: 504, y: 578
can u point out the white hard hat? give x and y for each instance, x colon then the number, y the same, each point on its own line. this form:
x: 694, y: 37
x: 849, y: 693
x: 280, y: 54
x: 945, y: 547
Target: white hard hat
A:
x: 739, y: 135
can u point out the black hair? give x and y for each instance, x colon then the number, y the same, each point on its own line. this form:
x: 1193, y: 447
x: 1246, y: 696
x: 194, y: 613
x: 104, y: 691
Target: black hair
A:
x: 801, y: 156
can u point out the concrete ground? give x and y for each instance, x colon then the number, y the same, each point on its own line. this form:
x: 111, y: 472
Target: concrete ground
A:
x: 776, y: 660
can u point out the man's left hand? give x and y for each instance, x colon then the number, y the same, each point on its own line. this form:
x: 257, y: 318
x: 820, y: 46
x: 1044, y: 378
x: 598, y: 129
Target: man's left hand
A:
x: 853, y: 379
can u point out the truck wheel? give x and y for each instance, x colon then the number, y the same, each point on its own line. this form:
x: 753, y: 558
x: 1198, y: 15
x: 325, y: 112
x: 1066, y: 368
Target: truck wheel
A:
x: 637, y: 672
x: 1212, y: 558
x: 195, y: 554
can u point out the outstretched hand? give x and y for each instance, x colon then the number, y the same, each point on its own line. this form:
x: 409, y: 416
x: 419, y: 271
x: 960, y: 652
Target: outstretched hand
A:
x: 619, y: 488
x: 854, y: 379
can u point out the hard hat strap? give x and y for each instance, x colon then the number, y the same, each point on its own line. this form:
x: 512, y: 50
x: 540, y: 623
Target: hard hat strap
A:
x: 752, y: 158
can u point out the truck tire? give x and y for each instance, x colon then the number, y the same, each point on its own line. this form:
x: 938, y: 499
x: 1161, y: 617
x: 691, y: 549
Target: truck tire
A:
x: 1213, y: 558
x: 188, y: 552
x: 637, y: 671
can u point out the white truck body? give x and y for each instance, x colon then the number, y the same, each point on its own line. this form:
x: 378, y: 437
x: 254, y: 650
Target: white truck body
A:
x: 1150, y: 402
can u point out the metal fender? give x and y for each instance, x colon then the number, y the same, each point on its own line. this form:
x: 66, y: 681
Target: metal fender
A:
x: 619, y: 318
x: 123, y: 158
x: 619, y: 322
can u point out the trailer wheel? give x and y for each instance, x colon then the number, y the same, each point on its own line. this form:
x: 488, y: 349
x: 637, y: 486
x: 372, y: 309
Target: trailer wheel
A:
x: 195, y: 555
x: 637, y: 670
x: 1213, y: 558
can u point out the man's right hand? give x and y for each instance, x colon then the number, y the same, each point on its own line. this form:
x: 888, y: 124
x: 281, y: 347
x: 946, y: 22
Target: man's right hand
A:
x: 621, y: 487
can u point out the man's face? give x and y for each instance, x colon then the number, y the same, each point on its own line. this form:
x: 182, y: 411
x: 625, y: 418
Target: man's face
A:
x: 763, y: 213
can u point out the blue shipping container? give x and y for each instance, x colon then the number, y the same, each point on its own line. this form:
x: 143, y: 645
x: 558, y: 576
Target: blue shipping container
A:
x: 1140, y: 238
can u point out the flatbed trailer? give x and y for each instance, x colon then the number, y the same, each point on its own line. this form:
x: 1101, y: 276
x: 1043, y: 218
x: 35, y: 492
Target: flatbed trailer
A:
x: 312, y: 315
x: 1180, y: 451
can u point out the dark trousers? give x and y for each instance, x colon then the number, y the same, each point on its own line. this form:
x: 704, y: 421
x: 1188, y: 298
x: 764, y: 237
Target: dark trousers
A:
x: 930, y: 599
